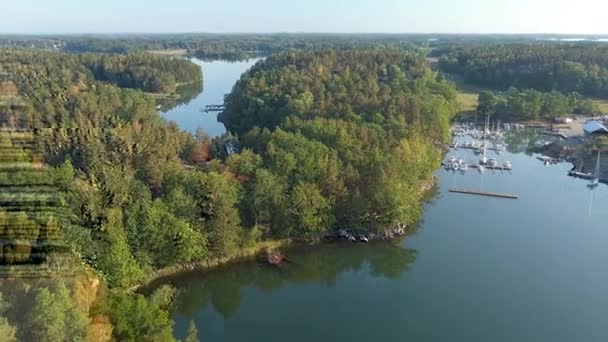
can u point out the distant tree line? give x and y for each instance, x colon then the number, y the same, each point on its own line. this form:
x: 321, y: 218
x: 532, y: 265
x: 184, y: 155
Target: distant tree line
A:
x: 581, y: 68
x: 518, y: 105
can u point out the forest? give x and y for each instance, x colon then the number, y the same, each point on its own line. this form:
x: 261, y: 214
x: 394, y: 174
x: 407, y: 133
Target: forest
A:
x: 352, y: 129
x: 325, y: 140
x: 520, y: 105
x: 581, y: 67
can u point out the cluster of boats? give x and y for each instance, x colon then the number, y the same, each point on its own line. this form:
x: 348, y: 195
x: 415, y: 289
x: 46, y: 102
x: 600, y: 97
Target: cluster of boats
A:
x: 456, y: 164
x: 480, y: 147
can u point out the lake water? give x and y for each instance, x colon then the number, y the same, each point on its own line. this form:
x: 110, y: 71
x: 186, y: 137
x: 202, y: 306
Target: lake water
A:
x: 218, y: 79
x: 475, y: 269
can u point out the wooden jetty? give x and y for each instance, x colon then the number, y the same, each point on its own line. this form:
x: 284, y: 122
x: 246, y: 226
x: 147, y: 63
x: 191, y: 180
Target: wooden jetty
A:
x: 582, y: 175
x: 557, y: 134
x: 483, y: 193
x: 213, y: 108
x: 474, y: 148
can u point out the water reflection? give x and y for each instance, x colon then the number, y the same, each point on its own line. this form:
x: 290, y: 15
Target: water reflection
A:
x: 185, y: 94
x: 527, y: 140
x: 323, y: 265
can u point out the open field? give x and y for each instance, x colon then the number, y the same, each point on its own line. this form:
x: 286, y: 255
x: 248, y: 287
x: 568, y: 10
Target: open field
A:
x: 174, y: 52
x: 467, y: 101
x: 602, y: 105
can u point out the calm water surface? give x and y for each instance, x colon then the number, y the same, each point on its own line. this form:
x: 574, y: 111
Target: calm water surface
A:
x: 218, y: 79
x: 475, y: 269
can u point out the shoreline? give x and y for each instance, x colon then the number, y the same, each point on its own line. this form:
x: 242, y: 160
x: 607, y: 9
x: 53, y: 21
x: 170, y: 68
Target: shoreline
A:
x: 428, y: 189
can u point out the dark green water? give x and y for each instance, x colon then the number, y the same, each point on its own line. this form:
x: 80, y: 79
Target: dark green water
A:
x: 475, y: 269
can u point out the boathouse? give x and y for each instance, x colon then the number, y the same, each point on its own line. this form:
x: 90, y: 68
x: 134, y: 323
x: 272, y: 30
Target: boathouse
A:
x: 595, y: 127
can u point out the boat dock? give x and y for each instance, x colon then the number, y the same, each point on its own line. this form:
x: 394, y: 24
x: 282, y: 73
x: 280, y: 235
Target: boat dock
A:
x: 582, y: 175
x: 557, y: 134
x: 483, y: 193
x: 474, y: 148
x: 212, y: 108
x: 546, y: 159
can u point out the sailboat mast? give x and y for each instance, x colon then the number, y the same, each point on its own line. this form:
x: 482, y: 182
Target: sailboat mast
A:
x: 597, y: 165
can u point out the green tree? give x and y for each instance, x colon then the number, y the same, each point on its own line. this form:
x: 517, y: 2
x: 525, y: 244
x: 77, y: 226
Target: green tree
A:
x: 137, y: 319
x: 55, y: 317
x: 192, y: 335
x: 312, y: 211
x: 7, y: 330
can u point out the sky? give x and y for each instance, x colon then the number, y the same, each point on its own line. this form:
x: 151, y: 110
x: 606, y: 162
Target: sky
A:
x: 344, y: 16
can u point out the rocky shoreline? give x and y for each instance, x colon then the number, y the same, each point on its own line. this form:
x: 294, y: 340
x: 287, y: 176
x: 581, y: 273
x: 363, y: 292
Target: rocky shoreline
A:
x: 354, y: 236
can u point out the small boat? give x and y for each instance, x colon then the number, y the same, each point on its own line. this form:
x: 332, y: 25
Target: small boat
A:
x: 492, y: 162
x: 507, y: 165
x: 352, y: 238
x: 363, y: 239
x: 463, y: 167
x: 483, y: 161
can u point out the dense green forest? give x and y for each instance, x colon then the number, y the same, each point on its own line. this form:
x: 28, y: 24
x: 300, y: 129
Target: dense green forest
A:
x: 581, y: 67
x: 352, y: 131
x: 517, y: 105
x: 327, y: 139
x: 147, y: 72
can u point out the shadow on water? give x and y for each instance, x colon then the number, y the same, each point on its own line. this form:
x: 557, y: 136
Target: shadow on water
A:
x: 324, y: 264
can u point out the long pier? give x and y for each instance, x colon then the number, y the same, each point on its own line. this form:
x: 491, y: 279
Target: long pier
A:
x: 483, y: 193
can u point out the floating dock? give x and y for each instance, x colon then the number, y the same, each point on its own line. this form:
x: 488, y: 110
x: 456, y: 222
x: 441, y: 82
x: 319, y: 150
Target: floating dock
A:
x: 213, y: 108
x: 582, y: 175
x: 483, y: 193
x: 474, y: 148
x: 557, y: 134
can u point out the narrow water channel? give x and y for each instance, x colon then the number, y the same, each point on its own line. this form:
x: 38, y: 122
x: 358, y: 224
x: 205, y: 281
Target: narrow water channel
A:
x: 218, y: 79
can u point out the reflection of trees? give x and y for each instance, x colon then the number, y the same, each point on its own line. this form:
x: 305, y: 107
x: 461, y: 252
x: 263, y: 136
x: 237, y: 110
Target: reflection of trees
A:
x: 222, y: 288
x: 186, y: 93
x: 522, y: 141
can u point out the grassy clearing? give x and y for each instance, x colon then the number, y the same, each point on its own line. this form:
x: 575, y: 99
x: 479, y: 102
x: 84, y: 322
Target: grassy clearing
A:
x: 173, y: 52
x: 467, y: 101
x: 602, y: 105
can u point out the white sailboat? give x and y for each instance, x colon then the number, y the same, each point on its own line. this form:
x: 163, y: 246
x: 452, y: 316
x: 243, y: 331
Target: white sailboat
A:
x: 484, y: 159
x: 595, y: 181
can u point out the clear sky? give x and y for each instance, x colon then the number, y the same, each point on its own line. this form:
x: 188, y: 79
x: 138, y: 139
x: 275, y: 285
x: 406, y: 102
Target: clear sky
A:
x: 392, y: 16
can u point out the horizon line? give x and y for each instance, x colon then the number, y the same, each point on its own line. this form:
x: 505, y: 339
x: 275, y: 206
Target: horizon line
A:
x: 108, y: 33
